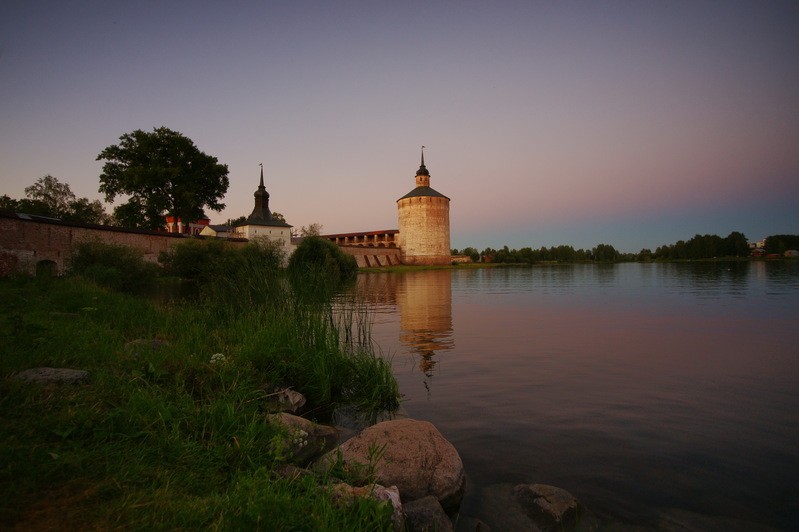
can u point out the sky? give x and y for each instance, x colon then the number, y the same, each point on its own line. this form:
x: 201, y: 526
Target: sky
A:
x: 631, y: 123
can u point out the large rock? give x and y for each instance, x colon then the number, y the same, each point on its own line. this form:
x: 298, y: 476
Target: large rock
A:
x: 426, y: 515
x: 54, y: 375
x: 497, y: 507
x: 549, y: 507
x: 345, y: 495
x: 285, y: 400
x: 409, y: 454
x: 308, y: 440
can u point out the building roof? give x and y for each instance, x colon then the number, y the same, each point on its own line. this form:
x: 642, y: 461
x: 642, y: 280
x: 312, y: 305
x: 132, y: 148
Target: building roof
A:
x: 260, y: 214
x: 265, y: 223
x: 423, y: 191
x: 422, y: 168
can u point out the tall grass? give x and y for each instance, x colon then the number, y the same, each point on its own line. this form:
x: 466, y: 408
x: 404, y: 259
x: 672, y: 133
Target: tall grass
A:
x: 166, y: 434
x: 116, y: 267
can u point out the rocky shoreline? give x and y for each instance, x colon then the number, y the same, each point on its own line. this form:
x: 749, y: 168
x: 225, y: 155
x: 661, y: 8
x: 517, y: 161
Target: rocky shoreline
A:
x: 408, y: 464
x: 415, y: 468
x: 405, y: 462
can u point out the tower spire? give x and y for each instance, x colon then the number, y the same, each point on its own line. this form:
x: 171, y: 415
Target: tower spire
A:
x: 261, y: 211
x: 422, y: 174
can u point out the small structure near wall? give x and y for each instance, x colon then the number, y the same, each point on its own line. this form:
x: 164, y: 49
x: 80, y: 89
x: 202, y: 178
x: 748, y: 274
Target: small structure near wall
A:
x: 217, y: 231
x: 261, y: 223
x: 176, y: 225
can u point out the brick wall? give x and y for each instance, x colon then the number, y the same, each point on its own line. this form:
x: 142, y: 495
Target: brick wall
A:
x: 26, y: 243
x: 367, y: 257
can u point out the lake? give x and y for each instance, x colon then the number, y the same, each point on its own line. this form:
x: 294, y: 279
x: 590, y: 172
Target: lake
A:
x: 654, y: 393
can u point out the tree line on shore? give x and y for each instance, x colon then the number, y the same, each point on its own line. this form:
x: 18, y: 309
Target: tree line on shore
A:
x: 734, y: 245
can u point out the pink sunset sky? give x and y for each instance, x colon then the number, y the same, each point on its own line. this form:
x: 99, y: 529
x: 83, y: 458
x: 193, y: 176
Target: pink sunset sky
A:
x: 632, y: 123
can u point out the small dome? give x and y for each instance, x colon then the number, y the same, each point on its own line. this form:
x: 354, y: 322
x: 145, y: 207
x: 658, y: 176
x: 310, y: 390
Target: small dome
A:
x: 422, y: 171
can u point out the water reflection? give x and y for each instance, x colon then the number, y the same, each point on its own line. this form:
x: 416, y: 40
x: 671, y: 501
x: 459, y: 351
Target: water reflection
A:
x: 638, y: 387
x: 424, y: 300
x: 711, y: 279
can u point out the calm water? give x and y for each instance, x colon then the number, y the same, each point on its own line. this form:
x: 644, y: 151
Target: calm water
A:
x: 646, y: 390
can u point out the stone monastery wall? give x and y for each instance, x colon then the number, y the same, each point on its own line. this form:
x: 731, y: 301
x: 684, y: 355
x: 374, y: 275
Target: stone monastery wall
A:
x: 368, y: 257
x: 26, y: 244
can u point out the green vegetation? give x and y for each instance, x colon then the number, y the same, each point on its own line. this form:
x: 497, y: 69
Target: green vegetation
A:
x: 117, y: 267
x: 700, y: 247
x: 170, y: 432
x: 527, y: 255
x: 705, y: 247
x: 316, y: 256
x: 50, y: 197
x: 163, y: 173
x: 781, y: 243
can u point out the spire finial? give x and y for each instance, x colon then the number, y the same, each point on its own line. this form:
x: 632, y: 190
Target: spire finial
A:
x: 422, y: 171
x: 262, y: 175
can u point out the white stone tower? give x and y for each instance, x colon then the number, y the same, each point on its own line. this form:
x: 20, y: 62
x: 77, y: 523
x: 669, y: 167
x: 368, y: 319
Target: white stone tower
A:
x: 424, y: 223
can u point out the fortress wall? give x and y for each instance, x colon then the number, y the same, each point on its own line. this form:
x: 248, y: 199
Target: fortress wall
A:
x: 368, y: 257
x: 26, y: 243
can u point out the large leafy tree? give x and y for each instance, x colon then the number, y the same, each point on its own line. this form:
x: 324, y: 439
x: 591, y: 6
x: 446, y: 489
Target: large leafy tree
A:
x: 163, y: 173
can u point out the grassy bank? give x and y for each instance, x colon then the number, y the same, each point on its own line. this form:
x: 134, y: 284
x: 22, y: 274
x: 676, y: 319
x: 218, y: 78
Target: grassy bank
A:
x: 172, y: 437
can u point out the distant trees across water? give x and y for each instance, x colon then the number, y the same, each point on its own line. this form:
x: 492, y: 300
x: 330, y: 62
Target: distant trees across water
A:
x: 706, y: 247
x: 781, y: 243
x: 734, y: 245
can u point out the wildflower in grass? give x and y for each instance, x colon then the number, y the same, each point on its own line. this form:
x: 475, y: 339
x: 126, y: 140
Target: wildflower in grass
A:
x: 300, y: 438
x: 218, y: 358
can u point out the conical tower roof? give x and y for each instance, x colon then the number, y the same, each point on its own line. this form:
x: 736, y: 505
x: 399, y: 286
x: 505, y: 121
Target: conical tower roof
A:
x: 261, y: 215
x: 423, y: 189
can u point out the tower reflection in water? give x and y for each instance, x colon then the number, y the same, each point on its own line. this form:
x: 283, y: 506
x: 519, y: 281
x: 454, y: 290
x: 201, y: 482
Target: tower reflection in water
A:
x: 424, y: 299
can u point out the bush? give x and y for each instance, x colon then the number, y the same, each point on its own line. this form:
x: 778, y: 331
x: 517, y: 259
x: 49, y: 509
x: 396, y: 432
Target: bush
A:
x: 113, y: 266
x: 212, y: 260
x: 190, y: 259
x: 230, y: 278
x: 318, y: 255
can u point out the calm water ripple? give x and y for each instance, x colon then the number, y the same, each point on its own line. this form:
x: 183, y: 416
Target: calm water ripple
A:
x: 644, y: 389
